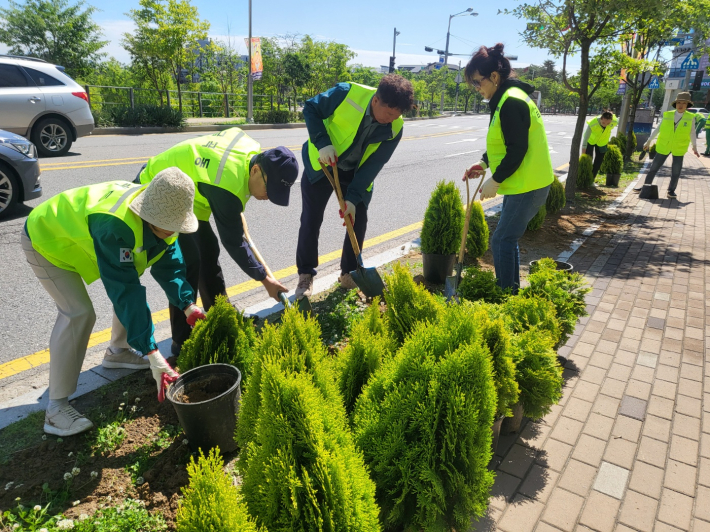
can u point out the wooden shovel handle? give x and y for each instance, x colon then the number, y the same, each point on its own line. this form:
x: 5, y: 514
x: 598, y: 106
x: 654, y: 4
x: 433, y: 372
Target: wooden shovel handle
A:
x: 335, y: 181
x: 468, y: 217
x: 253, y: 247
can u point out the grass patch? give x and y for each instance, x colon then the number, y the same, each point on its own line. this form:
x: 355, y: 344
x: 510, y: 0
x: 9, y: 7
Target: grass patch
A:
x: 21, y: 435
x: 337, y: 312
x: 146, y: 454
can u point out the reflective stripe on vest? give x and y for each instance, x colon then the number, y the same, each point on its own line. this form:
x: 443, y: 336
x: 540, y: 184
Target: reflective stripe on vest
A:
x: 600, y: 135
x: 672, y: 139
x: 343, y: 124
x: 536, y: 169
x: 221, y: 160
x: 59, y: 227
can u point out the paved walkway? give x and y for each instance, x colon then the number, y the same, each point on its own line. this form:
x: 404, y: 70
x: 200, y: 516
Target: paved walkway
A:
x: 628, y: 448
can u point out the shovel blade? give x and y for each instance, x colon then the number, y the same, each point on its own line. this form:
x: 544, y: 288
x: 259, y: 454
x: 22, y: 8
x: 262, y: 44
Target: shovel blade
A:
x: 452, y: 284
x: 304, y: 306
x: 368, y: 281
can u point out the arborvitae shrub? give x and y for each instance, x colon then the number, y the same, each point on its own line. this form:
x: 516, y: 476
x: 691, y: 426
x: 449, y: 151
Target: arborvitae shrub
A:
x: 443, y: 220
x: 525, y: 313
x: 211, y: 502
x: 225, y: 336
x: 631, y: 150
x: 621, y: 141
x: 477, y: 284
x: 613, y: 161
x: 408, y: 303
x: 304, y: 472
x: 478, y: 232
x: 424, y: 422
x: 538, y: 373
x: 652, y: 150
x: 369, y: 346
x: 585, y: 172
x: 295, y: 345
x: 556, y: 198
x: 536, y: 222
x: 564, y: 290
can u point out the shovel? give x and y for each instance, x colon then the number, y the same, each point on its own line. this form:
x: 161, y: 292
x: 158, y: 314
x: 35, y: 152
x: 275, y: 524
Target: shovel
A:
x: 303, y: 304
x: 367, y: 279
x: 452, y: 282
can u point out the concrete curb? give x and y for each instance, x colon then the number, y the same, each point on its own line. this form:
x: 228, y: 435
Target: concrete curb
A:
x: 214, y: 127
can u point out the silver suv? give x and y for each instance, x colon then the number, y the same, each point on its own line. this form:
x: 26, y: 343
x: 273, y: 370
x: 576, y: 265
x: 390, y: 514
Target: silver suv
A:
x: 40, y: 102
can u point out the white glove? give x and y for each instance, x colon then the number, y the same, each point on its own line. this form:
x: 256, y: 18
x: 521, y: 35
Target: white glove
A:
x: 489, y: 188
x: 328, y: 155
x: 646, y: 146
x: 158, y: 366
x: 349, y: 210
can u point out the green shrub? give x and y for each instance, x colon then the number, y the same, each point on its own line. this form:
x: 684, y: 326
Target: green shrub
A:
x: 634, y: 143
x: 564, y: 290
x: 407, y: 303
x: 585, y: 172
x: 537, y: 371
x: 336, y: 324
x: 526, y: 313
x: 613, y: 161
x: 211, y: 502
x: 443, y: 220
x: 556, y: 199
x: 423, y: 423
x: 477, y: 284
x: 652, y: 150
x: 478, y: 232
x: 142, y: 115
x: 536, y: 222
x: 224, y: 337
x: 277, y: 117
x: 304, y: 473
x: 369, y: 346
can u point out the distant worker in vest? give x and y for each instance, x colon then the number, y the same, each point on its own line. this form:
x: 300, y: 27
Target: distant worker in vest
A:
x: 675, y: 133
x: 516, y: 153
x: 227, y: 169
x: 706, y: 153
x: 596, y: 137
x: 358, y: 128
x: 110, y: 231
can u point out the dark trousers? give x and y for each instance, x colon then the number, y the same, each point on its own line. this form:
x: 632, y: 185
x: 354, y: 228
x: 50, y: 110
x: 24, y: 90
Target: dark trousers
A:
x: 315, y: 197
x: 596, y: 153
x: 676, y: 168
x: 201, y: 253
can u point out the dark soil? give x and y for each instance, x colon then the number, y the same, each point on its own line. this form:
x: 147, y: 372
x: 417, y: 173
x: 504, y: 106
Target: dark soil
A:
x: 204, y: 389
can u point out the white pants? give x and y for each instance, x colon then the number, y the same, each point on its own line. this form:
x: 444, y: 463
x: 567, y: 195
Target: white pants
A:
x: 72, y: 330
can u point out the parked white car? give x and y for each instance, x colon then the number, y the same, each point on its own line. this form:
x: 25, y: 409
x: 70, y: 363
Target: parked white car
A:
x: 40, y: 102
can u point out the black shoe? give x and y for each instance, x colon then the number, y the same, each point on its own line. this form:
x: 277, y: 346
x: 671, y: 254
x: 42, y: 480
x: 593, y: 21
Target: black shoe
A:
x: 672, y: 194
x: 638, y: 189
x: 175, y: 349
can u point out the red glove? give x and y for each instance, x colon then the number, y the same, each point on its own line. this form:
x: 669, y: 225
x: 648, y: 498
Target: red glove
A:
x: 165, y: 380
x: 194, y: 313
x: 162, y: 373
x: 475, y: 171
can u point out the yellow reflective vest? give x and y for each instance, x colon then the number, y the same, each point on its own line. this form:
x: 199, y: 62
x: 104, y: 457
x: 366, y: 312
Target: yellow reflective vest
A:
x: 600, y: 135
x: 674, y: 139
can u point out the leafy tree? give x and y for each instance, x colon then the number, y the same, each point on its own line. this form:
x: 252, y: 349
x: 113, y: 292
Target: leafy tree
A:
x: 297, y: 72
x: 366, y: 75
x: 56, y: 31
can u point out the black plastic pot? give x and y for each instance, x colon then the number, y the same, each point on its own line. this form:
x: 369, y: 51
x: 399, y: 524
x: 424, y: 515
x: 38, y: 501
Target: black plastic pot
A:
x: 612, y: 180
x: 561, y: 266
x: 208, y: 423
x: 651, y: 155
x: 438, y: 267
x: 512, y: 424
x: 649, y: 192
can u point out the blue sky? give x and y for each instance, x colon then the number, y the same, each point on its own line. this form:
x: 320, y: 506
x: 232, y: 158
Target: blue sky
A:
x: 365, y: 25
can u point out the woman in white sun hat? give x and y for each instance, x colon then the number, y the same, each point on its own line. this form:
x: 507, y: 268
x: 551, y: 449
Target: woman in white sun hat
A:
x: 110, y: 231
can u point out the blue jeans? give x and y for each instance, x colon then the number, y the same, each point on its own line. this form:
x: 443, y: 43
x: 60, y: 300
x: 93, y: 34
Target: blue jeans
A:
x: 518, y: 210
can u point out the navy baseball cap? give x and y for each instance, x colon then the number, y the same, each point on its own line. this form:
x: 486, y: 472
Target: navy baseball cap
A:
x: 281, y: 169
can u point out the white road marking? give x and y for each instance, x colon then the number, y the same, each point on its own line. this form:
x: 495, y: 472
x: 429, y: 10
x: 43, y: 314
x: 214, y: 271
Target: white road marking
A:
x: 561, y: 133
x: 463, y: 140
x: 462, y: 153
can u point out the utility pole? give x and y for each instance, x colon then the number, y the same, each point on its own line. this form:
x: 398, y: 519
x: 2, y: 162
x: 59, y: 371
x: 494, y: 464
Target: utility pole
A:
x: 394, y: 46
x: 446, y: 53
x: 250, y: 82
x: 458, y: 80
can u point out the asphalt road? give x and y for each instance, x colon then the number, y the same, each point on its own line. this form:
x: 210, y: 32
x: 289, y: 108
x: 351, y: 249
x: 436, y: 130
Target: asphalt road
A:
x: 431, y: 150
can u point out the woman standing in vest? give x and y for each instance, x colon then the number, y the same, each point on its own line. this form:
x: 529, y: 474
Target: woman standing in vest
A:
x: 358, y: 128
x: 516, y: 152
x: 110, y: 231
x: 596, y: 137
x: 675, y: 133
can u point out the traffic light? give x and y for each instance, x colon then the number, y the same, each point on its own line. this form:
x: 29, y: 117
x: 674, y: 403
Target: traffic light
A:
x: 535, y: 26
x: 697, y: 81
x: 428, y: 49
x: 391, y: 64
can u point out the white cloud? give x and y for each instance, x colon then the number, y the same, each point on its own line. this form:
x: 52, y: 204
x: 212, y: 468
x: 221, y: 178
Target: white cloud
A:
x: 113, y: 31
x: 375, y: 58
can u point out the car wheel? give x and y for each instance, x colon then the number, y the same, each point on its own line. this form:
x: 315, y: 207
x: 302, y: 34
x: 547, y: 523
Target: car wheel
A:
x: 9, y: 191
x: 52, y: 137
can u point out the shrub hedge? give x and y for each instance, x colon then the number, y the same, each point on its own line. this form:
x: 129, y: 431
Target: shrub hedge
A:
x: 142, y: 115
x: 556, y: 199
x: 477, y: 284
x: 536, y: 222
x: 613, y: 161
x: 478, y: 232
x: 277, y: 117
x: 525, y: 313
x: 585, y: 172
x: 443, y: 220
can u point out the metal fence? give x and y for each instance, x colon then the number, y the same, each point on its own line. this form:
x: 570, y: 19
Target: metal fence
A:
x: 194, y: 104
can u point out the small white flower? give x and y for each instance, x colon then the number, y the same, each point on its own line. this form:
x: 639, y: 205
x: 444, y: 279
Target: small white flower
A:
x: 83, y: 517
x: 133, y: 408
x: 65, y: 524
x: 185, y: 442
x: 75, y: 471
x: 140, y: 480
x: 125, y: 394
x: 75, y: 503
x: 67, y: 476
x: 94, y: 474
x: 120, y: 408
x: 122, y: 404
x: 138, y: 399
x: 43, y: 530
x: 70, y: 455
x: 8, y: 485
x: 37, y: 508
x: 15, y: 526
x: 44, y: 437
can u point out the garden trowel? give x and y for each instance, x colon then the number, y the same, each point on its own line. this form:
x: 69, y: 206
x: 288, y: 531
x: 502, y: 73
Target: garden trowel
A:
x: 366, y: 279
x: 303, y: 304
x: 452, y: 281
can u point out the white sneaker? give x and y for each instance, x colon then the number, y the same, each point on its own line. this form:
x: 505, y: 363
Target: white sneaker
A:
x: 346, y: 281
x: 66, y: 421
x: 124, y: 359
x: 305, y: 285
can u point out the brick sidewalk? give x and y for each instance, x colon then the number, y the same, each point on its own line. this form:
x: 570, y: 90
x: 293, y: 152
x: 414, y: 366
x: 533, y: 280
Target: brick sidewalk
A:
x: 628, y: 448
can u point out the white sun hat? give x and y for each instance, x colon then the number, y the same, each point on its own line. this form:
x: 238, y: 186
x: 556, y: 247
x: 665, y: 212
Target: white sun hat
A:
x: 167, y: 202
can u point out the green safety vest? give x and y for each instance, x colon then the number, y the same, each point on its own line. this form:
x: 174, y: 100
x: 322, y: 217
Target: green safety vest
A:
x: 672, y: 139
x: 343, y: 124
x: 535, y: 172
x: 59, y: 227
x: 221, y: 159
x: 600, y: 135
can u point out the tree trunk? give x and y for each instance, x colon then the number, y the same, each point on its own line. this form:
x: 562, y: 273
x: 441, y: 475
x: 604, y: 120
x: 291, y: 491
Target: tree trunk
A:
x: 635, y: 99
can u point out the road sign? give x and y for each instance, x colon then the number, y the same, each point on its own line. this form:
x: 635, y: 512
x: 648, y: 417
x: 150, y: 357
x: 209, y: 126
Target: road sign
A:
x: 622, y: 88
x: 654, y: 83
x: 690, y: 63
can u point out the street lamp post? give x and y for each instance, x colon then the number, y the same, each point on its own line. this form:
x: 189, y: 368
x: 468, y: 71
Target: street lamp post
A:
x: 446, y: 52
x: 250, y: 82
x: 394, y: 46
x: 459, y: 79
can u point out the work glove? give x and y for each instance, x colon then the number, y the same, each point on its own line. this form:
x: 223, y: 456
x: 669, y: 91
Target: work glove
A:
x: 584, y: 148
x: 477, y: 170
x: 162, y: 373
x: 349, y: 211
x: 646, y: 146
x: 194, y: 313
x: 328, y: 155
x: 489, y: 189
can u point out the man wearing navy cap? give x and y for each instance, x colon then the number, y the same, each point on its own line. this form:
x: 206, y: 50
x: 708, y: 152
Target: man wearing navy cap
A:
x: 228, y: 168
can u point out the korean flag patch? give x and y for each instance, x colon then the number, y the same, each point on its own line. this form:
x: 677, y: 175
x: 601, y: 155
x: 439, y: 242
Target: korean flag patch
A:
x: 126, y: 255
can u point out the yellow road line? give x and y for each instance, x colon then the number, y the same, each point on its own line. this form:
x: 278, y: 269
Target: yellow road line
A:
x: 8, y: 369
x: 560, y: 168
x: 64, y: 163
x: 93, y: 165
